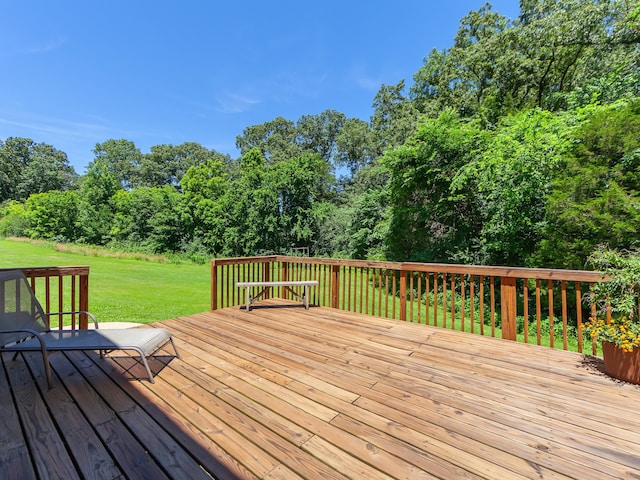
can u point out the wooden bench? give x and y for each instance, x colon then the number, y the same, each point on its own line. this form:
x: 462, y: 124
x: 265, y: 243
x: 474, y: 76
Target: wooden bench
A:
x: 285, y: 284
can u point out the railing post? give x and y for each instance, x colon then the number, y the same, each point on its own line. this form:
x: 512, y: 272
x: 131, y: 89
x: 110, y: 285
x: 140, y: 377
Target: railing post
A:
x: 84, y: 301
x: 214, y: 285
x: 403, y: 295
x: 335, y: 285
x: 266, y: 276
x: 284, y: 276
x: 508, y: 307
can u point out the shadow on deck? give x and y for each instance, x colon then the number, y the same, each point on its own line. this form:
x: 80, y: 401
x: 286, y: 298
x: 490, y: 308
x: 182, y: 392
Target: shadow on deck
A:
x: 282, y: 393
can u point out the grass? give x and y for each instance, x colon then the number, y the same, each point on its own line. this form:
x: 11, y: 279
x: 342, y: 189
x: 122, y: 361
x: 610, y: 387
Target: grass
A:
x: 121, y: 288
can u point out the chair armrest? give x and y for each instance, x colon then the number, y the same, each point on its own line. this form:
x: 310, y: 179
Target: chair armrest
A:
x: 93, y: 317
x: 30, y: 331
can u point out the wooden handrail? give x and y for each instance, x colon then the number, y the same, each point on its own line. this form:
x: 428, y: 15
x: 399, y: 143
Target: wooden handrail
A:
x: 61, y: 289
x: 479, y: 299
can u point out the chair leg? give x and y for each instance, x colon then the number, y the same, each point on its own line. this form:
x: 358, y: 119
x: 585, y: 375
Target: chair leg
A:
x: 173, y: 344
x: 47, y: 368
x: 146, y: 366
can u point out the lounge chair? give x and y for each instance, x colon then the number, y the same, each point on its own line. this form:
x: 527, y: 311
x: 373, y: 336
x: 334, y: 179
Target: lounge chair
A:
x: 24, y: 327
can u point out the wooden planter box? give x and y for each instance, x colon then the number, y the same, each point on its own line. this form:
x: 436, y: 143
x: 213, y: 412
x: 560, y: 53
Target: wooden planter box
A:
x: 620, y: 364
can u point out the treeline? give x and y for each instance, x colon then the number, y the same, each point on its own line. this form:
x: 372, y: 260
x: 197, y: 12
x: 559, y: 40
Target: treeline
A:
x: 518, y: 145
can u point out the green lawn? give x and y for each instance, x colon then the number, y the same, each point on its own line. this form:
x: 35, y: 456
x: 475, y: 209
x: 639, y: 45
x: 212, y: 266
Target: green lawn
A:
x: 123, y: 289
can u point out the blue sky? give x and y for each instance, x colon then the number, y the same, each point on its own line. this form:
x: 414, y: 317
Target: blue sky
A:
x: 79, y: 72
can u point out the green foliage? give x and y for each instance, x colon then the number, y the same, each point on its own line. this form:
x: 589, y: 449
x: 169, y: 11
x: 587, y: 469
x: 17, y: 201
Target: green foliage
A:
x: 394, y: 118
x: 52, y: 215
x: 121, y: 158
x: 151, y: 218
x: 331, y: 239
x: 538, y: 60
x: 13, y: 221
x: 355, y: 146
x: 508, y: 182
x: 298, y: 183
x: 276, y: 140
x: 27, y: 167
x: 206, y: 187
x: 617, y: 297
x: 167, y: 164
x: 594, y: 200
x: 428, y: 222
x: 95, y: 215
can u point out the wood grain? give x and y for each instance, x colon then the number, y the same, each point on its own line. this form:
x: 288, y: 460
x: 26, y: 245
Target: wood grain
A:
x: 284, y: 393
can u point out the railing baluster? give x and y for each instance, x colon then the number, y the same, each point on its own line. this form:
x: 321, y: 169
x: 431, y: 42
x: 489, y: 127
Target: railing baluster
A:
x: 435, y: 299
x: 565, y: 325
x: 444, y: 300
x: 481, y: 304
x: 453, y: 303
x: 411, y: 296
x: 472, y: 302
x: 551, y: 327
x: 462, y: 302
x: 492, y: 294
x: 579, y: 316
x: 525, y: 294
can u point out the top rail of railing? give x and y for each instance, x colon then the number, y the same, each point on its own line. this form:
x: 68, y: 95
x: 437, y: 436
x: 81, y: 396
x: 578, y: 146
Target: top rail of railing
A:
x: 496, y: 271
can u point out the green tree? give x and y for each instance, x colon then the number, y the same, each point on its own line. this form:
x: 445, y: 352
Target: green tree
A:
x: 356, y: 146
x: 509, y: 180
x: 13, y: 220
x: 167, y: 164
x: 595, y: 200
x: 53, y: 215
x: 97, y: 189
x: 276, y: 140
x: 207, y: 189
x: 122, y: 158
x: 394, y: 118
x: 467, y: 76
x: 146, y: 219
x: 27, y: 167
x: 298, y: 183
x: 428, y: 222
x: 540, y: 59
x: 319, y: 133
x: 364, y: 212
x: 253, y: 227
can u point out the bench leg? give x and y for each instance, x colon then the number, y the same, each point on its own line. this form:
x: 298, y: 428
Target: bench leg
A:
x: 306, y: 297
x: 248, y: 298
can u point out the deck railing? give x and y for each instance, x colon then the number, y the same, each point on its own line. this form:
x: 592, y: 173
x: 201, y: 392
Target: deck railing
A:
x: 61, y: 289
x: 542, y: 306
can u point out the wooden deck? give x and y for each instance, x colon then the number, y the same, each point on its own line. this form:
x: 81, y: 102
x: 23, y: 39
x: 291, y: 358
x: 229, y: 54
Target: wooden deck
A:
x: 284, y: 393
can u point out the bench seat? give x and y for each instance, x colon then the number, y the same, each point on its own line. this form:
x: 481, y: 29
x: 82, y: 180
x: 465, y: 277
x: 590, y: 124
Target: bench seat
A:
x: 289, y: 285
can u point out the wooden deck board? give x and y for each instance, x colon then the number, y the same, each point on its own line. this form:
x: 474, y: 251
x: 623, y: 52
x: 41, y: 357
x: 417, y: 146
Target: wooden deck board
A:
x: 281, y: 392
x: 15, y: 459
